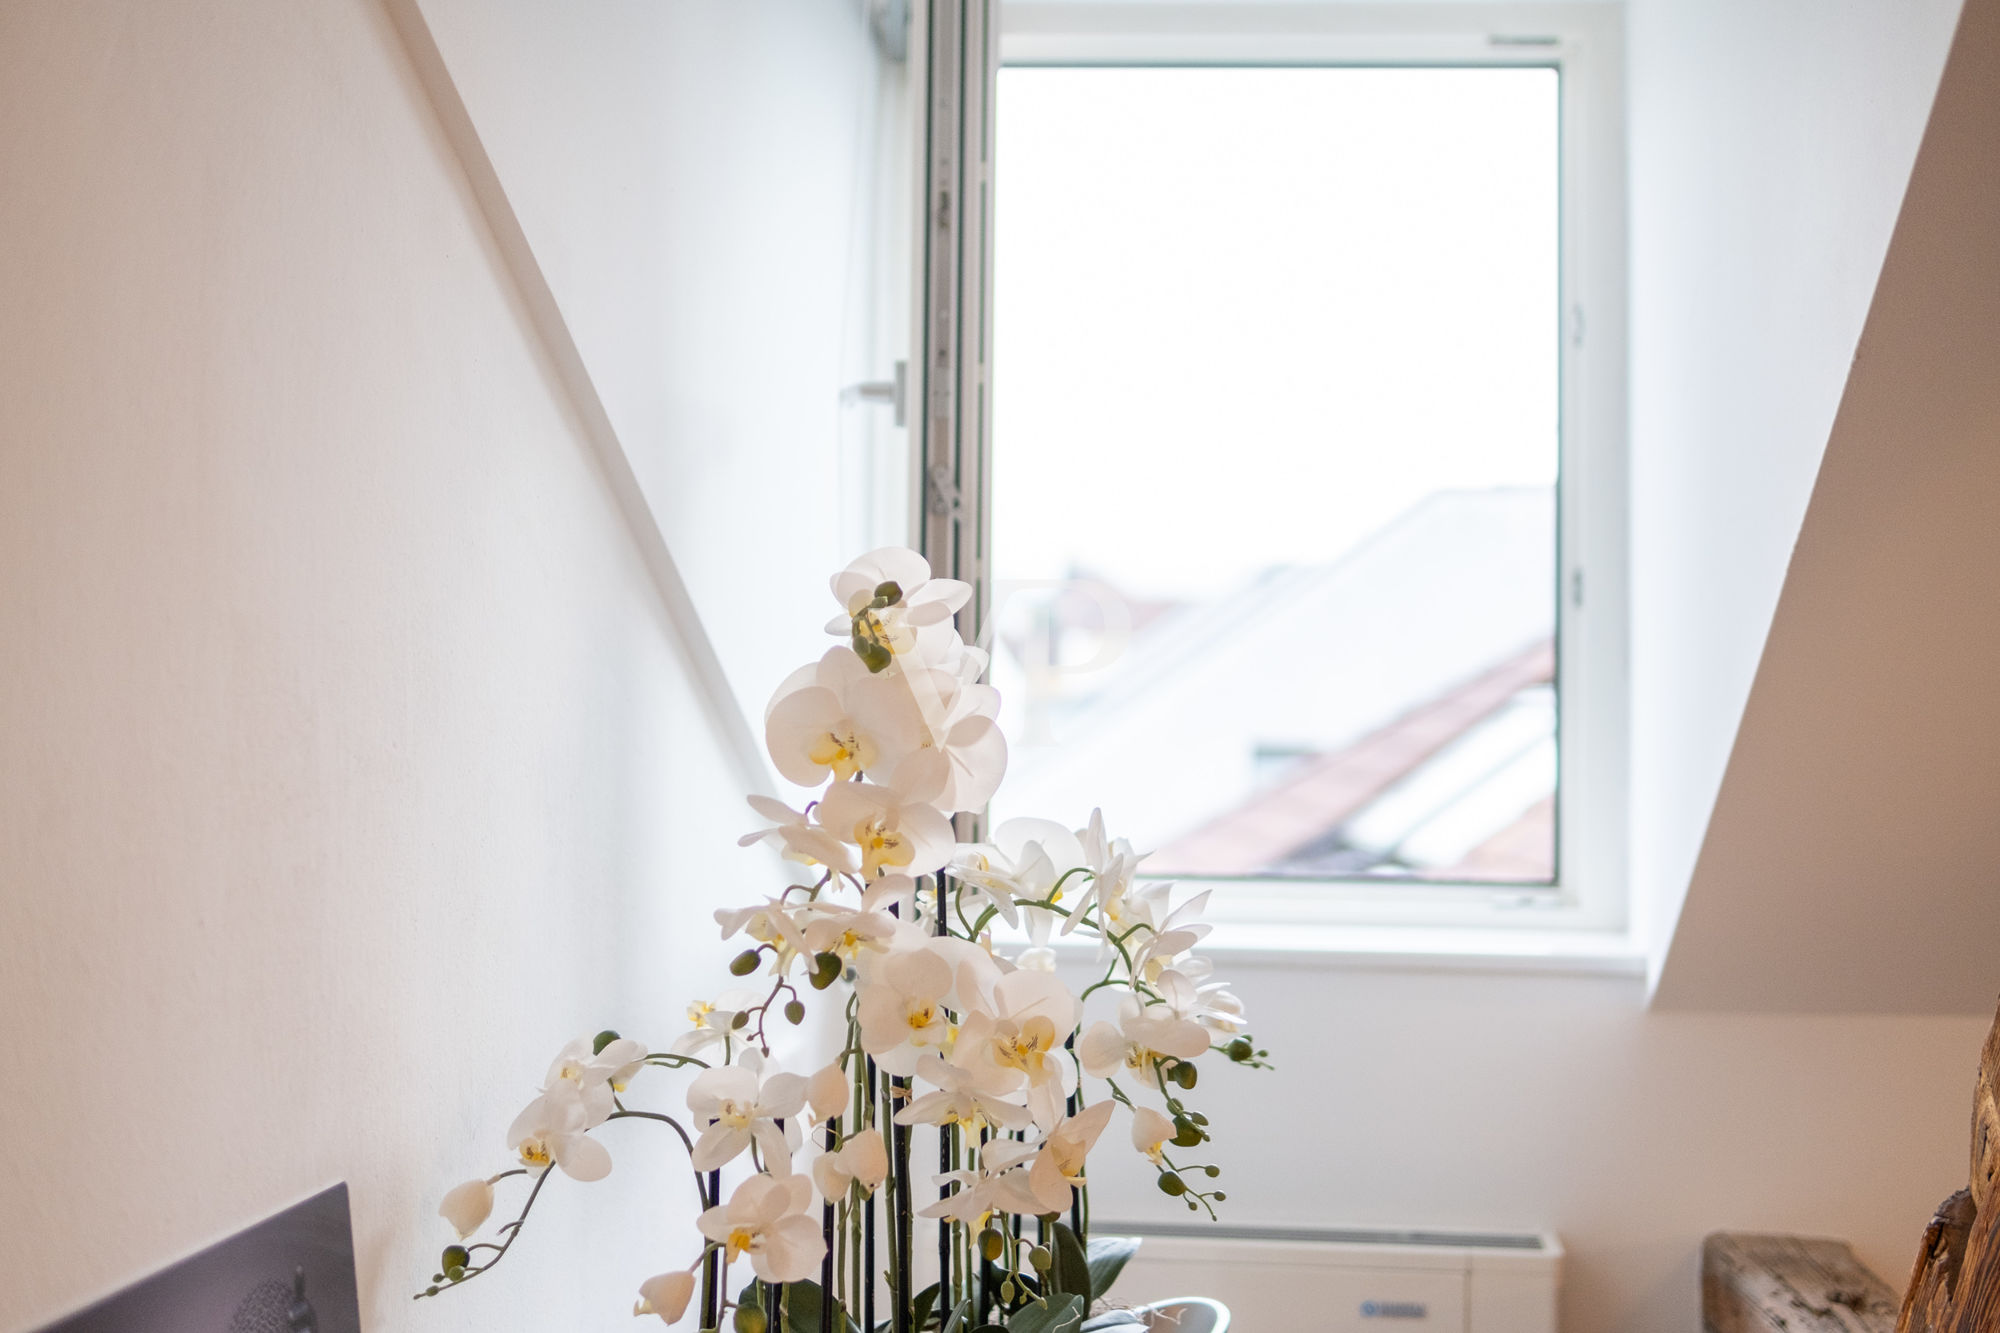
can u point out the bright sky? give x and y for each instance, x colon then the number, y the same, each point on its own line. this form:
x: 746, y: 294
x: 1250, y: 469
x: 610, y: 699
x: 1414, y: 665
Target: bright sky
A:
x: 1244, y: 317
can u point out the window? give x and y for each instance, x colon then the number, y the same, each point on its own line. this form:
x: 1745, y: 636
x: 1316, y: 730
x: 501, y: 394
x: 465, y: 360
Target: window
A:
x: 1300, y: 455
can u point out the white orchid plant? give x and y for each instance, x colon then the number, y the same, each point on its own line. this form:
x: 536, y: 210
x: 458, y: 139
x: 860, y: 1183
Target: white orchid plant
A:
x: 938, y: 1028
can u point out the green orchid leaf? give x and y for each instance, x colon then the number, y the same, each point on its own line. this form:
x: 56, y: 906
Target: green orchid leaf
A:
x: 1071, y: 1273
x: 926, y: 1298
x: 1108, y: 1256
x: 1064, y: 1314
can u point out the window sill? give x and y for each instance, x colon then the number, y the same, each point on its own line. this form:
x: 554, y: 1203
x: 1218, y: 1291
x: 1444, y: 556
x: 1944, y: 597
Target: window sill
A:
x: 1427, y: 949
x: 1343, y: 947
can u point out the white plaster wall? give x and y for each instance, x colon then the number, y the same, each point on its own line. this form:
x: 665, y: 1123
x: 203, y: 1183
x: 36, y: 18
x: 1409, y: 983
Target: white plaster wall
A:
x: 699, y: 181
x: 346, y: 763
x: 1770, y: 145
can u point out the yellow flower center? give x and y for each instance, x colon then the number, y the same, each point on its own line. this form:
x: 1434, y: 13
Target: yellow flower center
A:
x: 923, y: 1016
x: 1027, y: 1050
x: 734, y: 1114
x: 881, y: 846
x: 843, y: 749
x: 535, y: 1153
x: 741, y: 1239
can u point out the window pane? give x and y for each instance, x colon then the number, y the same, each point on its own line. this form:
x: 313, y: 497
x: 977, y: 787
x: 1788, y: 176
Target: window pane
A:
x: 1275, y: 453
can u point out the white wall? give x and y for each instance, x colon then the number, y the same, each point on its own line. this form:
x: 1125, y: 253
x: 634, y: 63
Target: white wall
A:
x: 1848, y: 864
x: 348, y: 763
x: 1770, y: 144
x: 699, y: 183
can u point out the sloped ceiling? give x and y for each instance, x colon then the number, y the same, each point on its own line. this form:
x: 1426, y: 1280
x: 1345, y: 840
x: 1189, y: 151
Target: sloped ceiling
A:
x: 1852, y: 863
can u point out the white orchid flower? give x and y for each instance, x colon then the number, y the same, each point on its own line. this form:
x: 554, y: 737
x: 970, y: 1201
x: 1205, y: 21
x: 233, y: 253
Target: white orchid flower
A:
x: 666, y: 1296
x: 1112, y: 864
x: 1166, y: 935
x: 1143, y: 1036
x: 468, y: 1206
x: 998, y: 1184
x: 798, y: 839
x: 736, y: 1105
x: 891, y: 606
x: 969, y: 1097
x: 844, y: 931
x: 713, y: 1021
x: 1024, y: 862
x: 860, y: 1160
x: 1058, y: 1167
x: 1151, y: 1132
x: 594, y: 1077
x: 894, y: 832
x: 901, y: 1007
x: 552, y: 1129
x: 766, y: 1219
x: 961, y: 755
x: 1017, y: 1026
x: 1219, y: 1010
x: 771, y: 922
x: 841, y: 720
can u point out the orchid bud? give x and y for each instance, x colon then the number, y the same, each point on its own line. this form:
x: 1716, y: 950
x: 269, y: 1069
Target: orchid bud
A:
x: 743, y: 964
x: 751, y: 1319
x: 827, y: 1092
x: 603, y: 1039
x: 666, y: 1296
x: 467, y: 1207
x: 1172, y: 1184
x: 795, y: 1012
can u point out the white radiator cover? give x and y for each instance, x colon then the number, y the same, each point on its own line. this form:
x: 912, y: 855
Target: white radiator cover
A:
x: 1289, y: 1279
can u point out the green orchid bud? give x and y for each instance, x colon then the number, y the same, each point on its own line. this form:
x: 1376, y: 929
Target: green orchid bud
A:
x: 1187, y: 1134
x: 1040, y: 1259
x: 992, y: 1245
x: 743, y: 964
x: 1212, y: 1171
x: 826, y: 970
x: 1219, y: 1197
x: 795, y: 1013
x: 741, y: 1021
x: 603, y: 1039
x: 1239, y: 1050
x: 874, y: 654
x: 1183, y: 1074
x: 889, y: 593
x: 1007, y: 1290
x: 1170, y: 1183
x: 750, y: 1319
x: 455, y: 1256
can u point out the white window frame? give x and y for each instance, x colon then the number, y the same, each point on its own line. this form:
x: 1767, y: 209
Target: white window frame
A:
x: 1584, y: 42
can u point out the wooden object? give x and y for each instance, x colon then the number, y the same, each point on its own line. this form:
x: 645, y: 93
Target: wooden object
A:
x: 1790, y: 1284
x: 1955, y: 1286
